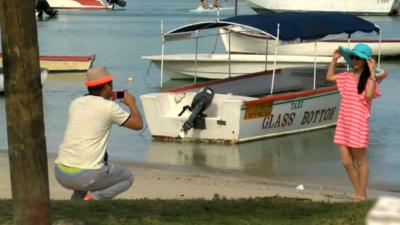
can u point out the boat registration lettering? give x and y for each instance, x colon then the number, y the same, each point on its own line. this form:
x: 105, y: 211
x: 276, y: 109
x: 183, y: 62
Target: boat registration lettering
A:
x: 288, y: 119
x: 280, y: 120
x: 318, y: 115
x: 258, y: 110
x: 296, y: 105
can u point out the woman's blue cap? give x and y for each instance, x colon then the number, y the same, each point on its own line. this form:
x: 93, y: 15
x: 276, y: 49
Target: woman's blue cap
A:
x: 361, y: 50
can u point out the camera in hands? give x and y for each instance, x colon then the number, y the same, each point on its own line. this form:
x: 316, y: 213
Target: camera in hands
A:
x: 118, y: 95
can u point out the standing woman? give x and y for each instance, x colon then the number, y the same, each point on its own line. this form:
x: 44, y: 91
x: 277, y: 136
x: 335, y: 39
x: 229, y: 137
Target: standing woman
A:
x: 357, y: 89
x: 216, y: 4
x: 204, y: 4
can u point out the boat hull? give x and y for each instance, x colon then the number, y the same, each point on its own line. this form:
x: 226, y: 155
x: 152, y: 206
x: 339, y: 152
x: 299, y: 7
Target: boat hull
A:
x: 245, y: 42
x: 78, y: 4
x: 220, y: 66
x: 291, y: 115
x: 233, y: 125
x: 64, y: 63
x: 357, y: 7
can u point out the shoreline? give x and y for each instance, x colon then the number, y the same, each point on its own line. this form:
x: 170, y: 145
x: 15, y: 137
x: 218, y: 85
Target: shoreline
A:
x: 158, y: 182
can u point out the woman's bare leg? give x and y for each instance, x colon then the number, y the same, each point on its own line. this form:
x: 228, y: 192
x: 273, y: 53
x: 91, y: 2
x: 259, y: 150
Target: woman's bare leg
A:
x: 351, y: 170
x: 363, y: 171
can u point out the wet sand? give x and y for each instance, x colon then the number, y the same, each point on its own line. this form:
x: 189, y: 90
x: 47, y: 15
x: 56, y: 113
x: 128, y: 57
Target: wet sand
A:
x: 158, y: 183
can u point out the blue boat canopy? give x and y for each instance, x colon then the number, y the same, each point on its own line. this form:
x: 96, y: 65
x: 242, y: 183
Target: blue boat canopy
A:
x: 293, y: 25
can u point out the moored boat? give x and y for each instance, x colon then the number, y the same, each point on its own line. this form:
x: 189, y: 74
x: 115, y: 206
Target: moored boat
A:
x: 79, y: 4
x: 239, y: 114
x: 244, y: 42
x: 358, y: 7
x: 217, y: 66
x: 56, y: 63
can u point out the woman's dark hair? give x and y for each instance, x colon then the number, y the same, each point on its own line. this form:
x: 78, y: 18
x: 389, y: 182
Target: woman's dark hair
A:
x: 363, y: 78
x: 96, y: 90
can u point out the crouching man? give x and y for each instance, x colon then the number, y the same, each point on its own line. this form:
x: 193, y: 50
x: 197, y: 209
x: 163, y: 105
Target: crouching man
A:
x: 82, y: 164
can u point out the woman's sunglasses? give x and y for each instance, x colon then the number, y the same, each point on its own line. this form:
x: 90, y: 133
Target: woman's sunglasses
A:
x: 354, y: 57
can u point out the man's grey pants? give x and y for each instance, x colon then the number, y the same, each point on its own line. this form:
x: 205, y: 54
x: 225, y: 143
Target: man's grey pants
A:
x: 103, y: 183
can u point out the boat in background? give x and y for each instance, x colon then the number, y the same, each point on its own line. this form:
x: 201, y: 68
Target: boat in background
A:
x: 259, y: 105
x: 220, y: 66
x: 242, y: 42
x: 56, y: 63
x: 357, y: 7
x: 43, y: 76
x: 78, y: 4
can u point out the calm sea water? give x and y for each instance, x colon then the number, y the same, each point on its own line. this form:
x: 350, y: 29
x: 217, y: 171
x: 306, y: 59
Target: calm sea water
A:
x: 119, y: 38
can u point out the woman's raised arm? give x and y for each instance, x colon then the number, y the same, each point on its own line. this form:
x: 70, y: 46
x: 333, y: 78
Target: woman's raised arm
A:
x: 331, y: 74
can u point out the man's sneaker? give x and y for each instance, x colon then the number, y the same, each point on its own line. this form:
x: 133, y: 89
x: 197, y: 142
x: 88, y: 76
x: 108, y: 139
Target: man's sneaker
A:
x: 88, y: 197
x: 78, y: 195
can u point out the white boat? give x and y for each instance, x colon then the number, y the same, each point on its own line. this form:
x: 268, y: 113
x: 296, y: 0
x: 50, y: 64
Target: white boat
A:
x: 242, y: 41
x: 59, y: 63
x: 253, y: 106
x: 78, y: 4
x: 359, y: 7
x: 43, y: 76
x: 219, y: 66
x: 233, y: 117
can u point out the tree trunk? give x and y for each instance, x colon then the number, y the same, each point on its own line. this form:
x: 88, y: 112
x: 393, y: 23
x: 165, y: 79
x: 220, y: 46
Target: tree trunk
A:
x: 24, y: 113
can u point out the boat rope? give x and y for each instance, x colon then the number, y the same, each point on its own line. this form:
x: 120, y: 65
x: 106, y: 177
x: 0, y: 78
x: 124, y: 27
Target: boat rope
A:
x: 148, y: 70
x: 144, y: 129
x: 215, y: 44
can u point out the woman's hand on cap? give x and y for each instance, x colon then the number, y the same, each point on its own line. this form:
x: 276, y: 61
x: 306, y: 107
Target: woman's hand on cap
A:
x: 336, y: 54
x: 371, y: 64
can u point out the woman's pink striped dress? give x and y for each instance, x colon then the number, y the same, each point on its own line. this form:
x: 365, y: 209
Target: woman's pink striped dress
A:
x: 352, y: 125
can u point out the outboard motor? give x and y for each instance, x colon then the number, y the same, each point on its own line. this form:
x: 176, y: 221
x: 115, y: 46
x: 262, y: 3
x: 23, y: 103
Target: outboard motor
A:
x: 201, y: 101
x: 121, y: 3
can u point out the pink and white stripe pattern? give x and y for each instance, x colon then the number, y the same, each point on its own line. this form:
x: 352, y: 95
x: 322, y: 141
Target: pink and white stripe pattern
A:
x: 353, y: 120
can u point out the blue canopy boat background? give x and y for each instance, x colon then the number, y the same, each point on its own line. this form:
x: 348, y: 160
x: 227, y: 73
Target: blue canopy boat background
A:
x: 281, y: 26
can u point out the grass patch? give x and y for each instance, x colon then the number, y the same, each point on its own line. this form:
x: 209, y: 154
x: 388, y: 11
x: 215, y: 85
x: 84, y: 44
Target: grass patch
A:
x: 270, y: 210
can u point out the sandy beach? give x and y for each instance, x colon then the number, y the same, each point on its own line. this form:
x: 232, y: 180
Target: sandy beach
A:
x: 160, y: 183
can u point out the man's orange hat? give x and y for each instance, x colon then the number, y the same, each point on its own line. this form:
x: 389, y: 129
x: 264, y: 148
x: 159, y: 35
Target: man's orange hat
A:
x: 97, y: 76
